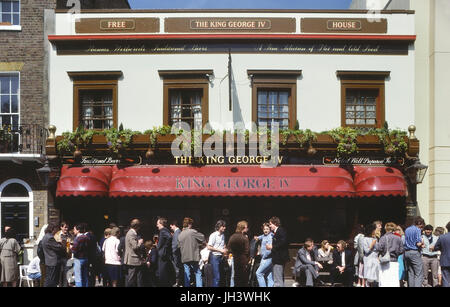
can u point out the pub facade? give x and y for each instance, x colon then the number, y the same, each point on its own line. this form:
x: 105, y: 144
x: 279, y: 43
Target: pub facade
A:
x: 339, y: 85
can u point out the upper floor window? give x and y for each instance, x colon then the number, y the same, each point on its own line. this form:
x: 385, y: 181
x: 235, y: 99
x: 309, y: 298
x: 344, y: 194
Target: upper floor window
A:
x: 186, y: 97
x: 362, y: 98
x: 95, y: 99
x: 9, y: 12
x: 9, y: 100
x: 274, y: 97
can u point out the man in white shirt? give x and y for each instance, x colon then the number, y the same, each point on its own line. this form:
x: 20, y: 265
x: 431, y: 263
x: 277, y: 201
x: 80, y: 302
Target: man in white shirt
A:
x: 34, y: 269
x: 216, y: 244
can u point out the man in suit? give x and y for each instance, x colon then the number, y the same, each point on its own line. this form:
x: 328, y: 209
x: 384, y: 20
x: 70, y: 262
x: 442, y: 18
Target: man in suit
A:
x: 306, y: 262
x: 176, y: 255
x: 53, y: 252
x: 164, y: 247
x: 443, y: 245
x: 133, y: 258
x: 342, y: 267
x: 280, y: 252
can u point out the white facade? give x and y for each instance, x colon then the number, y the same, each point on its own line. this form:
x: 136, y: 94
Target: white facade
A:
x: 432, y: 107
x: 140, y: 89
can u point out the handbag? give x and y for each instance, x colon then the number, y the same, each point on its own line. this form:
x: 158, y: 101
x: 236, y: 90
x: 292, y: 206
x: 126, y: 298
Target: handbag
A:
x: 386, y: 258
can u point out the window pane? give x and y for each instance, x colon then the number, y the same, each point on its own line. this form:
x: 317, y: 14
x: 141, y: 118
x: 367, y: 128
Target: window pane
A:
x: 15, y: 190
x: 15, y: 122
x: 96, y: 108
x: 6, y: 6
x: 276, y: 109
x: 186, y: 106
x: 284, y: 98
x: 14, y: 104
x: 14, y: 84
x: 361, y: 106
x: 6, y: 120
x: 4, y: 85
x: 350, y: 121
x: 16, y: 19
x: 5, y: 103
x: 6, y: 18
x: 15, y: 6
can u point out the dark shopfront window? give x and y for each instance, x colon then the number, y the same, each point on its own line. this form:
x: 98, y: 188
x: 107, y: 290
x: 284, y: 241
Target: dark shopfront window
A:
x: 330, y: 219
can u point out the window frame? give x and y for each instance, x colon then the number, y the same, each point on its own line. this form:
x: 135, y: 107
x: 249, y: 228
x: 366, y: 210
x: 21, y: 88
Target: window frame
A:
x: 364, y: 80
x: 94, y: 81
x: 6, y: 73
x: 11, y: 26
x: 275, y: 79
x: 189, y: 79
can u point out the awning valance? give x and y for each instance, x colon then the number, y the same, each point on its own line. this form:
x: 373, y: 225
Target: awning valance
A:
x: 84, y: 181
x: 319, y: 181
x: 379, y: 181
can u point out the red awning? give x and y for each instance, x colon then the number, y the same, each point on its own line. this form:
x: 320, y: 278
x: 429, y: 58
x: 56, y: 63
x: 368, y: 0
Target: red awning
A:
x: 84, y: 181
x: 379, y: 181
x: 320, y: 181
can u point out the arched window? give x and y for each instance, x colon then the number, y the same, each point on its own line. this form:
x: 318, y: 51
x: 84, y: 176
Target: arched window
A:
x: 16, y: 207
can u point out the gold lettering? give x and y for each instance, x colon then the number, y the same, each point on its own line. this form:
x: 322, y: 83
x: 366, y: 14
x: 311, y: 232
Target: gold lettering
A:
x: 183, y: 160
x: 232, y: 159
x: 238, y: 160
x: 252, y: 160
x: 221, y: 160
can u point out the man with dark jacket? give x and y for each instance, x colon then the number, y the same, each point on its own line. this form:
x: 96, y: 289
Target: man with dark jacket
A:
x: 306, y: 262
x: 53, y: 254
x: 176, y: 255
x: 342, y: 268
x: 443, y: 245
x: 165, y: 267
x: 280, y: 252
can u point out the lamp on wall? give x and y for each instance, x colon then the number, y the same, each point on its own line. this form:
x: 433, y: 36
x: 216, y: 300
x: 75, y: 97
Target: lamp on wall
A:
x: 416, y: 172
x: 44, y: 174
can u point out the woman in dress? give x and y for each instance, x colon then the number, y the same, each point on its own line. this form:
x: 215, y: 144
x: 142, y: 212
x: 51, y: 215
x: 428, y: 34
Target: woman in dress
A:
x: 359, y: 255
x: 370, y: 260
x: 10, y: 249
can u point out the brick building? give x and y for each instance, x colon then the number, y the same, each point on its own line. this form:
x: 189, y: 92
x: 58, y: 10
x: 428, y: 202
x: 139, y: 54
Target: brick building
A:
x: 25, y: 202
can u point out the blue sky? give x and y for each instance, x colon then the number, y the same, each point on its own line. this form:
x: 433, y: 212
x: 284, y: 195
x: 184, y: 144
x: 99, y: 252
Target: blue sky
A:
x: 239, y: 4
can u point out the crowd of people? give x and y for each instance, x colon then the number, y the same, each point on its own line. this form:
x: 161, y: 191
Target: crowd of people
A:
x: 181, y: 256
x: 381, y: 257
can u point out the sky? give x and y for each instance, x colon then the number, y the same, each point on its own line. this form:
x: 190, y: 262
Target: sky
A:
x: 239, y: 4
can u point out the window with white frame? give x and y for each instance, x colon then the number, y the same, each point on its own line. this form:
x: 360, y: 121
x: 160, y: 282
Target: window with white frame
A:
x: 16, y: 207
x: 9, y: 12
x: 9, y: 100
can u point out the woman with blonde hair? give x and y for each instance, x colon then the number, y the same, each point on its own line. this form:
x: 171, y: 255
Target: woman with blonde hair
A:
x: 392, y: 244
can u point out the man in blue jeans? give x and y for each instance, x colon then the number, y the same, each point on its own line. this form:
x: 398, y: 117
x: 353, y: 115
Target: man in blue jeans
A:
x: 265, y: 267
x: 80, y: 249
x: 413, y: 256
x: 190, y: 241
x: 216, y: 244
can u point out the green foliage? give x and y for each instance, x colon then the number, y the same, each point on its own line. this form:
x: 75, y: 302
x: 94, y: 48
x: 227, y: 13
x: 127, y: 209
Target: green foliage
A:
x: 345, y: 137
x: 302, y: 137
x: 118, y: 140
x: 5, y: 134
x: 72, y: 140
